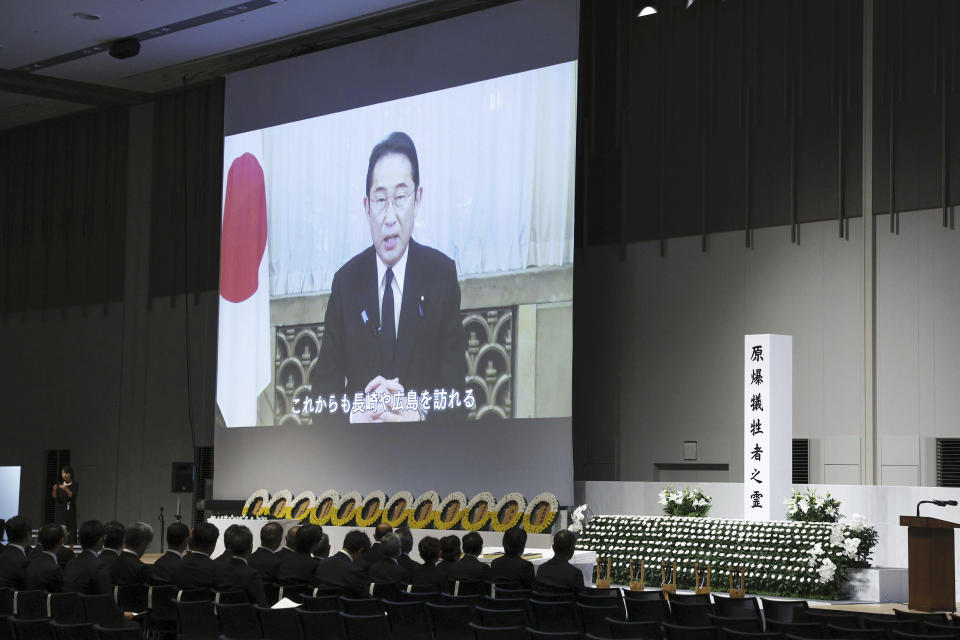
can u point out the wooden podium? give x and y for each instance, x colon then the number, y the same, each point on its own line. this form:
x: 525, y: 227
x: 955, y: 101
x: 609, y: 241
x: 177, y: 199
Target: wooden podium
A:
x: 930, y: 563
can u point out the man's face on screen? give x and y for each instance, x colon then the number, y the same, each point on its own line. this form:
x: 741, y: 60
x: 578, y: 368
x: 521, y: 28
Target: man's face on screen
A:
x: 391, y: 206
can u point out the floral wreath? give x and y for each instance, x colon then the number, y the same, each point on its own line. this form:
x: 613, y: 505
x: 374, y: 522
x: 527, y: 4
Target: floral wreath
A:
x: 483, y: 496
x: 311, y: 499
x: 553, y: 507
x: 335, y: 518
x: 428, y: 496
x: 407, y: 497
x: 260, y: 494
x: 284, y: 495
x: 521, y: 507
x: 381, y: 498
x: 334, y: 497
x: 455, y: 497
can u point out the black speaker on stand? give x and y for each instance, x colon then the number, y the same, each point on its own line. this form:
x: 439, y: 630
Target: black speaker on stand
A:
x: 181, y: 481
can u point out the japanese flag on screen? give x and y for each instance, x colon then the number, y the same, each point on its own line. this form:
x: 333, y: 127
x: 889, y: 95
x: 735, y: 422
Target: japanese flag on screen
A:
x: 244, y: 342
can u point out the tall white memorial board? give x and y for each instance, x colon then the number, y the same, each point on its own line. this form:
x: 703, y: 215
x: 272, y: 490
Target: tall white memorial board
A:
x: 768, y: 425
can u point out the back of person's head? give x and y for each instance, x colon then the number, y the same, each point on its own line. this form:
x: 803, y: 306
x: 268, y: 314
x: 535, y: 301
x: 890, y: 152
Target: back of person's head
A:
x: 50, y: 536
x: 323, y: 550
x: 564, y: 543
x: 396, y: 142
x: 90, y: 534
x: 204, y: 538
x: 390, y: 543
x: 113, y: 534
x: 138, y: 537
x: 229, y: 534
x: 308, y: 538
x: 429, y: 548
x: 381, y: 530
x: 241, y: 541
x: 514, y: 541
x: 356, y: 542
x: 271, y: 536
x: 177, y: 534
x: 18, y: 530
x: 450, y: 548
x: 291, y: 540
x: 473, y: 543
x: 406, y: 539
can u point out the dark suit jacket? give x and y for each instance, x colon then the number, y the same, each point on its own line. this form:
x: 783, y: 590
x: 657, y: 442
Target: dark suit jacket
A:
x: 64, y: 556
x: 388, y: 571
x: 297, y: 568
x: 408, y: 564
x: 560, y: 575
x: 196, y: 571
x: 128, y: 569
x: 512, y: 568
x: 429, y: 352
x: 44, y: 572
x: 223, y: 560
x: 80, y: 576
x: 265, y: 561
x: 373, y: 555
x: 165, y: 568
x: 429, y: 574
x: 468, y: 568
x: 13, y: 567
x: 237, y: 574
x: 340, y: 571
x: 104, y: 579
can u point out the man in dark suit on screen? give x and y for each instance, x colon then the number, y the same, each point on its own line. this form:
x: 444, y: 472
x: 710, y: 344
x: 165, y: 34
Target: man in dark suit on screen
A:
x: 393, y: 318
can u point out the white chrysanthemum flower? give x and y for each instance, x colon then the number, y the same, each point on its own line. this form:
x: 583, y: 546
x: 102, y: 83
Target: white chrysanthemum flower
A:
x: 836, y: 536
x: 857, y: 522
x: 850, y: 546
x: 827, y: 570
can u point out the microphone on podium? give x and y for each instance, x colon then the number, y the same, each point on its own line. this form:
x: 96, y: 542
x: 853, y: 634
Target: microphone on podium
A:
x: 939, y: 503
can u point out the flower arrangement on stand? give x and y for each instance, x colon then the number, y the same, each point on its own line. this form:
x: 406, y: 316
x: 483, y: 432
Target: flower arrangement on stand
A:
x: 809, y: 506
x: 789, y: 559
x: 689, y: 502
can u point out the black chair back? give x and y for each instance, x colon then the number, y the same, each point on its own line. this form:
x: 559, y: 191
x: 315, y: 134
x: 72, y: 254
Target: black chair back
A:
x: 65, y: 608
x: 325, y: 625
x: 6, y: 628
x: 735, y: 634
x: 746, y: 625
x: 33, y: 629
x: 536, y: 634
x: 837, y: 619
x: 469, y: 588
x: 130, y: 632
x: 6, y: 601
x: 784, y: 610
x: 799, y: 629
x: 322, y: 603
x: 408, y: 620
x: 633, y: 630
x: 649, y: 594
x: 647, y: 610
x: 939, y: 618
x: 690, y: 614
x: 131, y: 597
x: 691, y: 598
x: 31, y: 605
x: 466, y: 601
x: 279, y: 623
x: 196, y: 620
x: 855, y: 634
x: 360, y: 606
x: 594, y: 619
x: 736, y: 607
x: 194, y: 595
x: 101, y: 609
x: 238, y: 621
x: 511, y: 593
x: 324, y: 592
x: 233, y: 596
x: 450, y: 622
x: 554, y: 616
x: 373, y: 627
x: 679, y: 632
x: 552, y: 596
x: 498, y: 633
x: 502, y: 617
x: 934, y: 629
x: 271, y: 591
x: 73, y: 631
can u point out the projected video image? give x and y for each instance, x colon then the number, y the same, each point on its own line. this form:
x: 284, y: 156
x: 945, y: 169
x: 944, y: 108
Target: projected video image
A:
x: 405, y: 261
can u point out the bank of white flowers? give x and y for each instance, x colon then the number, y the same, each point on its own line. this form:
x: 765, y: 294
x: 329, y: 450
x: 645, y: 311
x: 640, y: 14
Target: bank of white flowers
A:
x: 784, y: 558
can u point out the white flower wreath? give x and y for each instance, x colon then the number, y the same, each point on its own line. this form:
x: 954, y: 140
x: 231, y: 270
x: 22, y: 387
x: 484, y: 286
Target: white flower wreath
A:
x: 304, y: 512
x: 338, y: 520
x: 381, y: 498
x: 256, y: 503
x: 388, y: 508
x: 426, y: 519
x: 322, y: 511
x: 484, y: 497
x: 516, y: 498
x: 458, y: 498
x: 280, y: 504
x: 552, y: 507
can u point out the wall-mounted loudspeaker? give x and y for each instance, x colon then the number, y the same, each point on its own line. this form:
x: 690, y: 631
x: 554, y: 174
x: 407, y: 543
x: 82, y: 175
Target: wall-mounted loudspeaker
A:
x: 181, y: 477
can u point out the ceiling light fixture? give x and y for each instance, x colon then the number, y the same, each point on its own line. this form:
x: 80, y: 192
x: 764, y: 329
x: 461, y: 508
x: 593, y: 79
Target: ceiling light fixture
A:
x: 82, y: 15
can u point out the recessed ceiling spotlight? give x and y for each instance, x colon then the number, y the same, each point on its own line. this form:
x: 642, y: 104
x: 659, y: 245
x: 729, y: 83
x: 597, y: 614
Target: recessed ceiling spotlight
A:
x: 82, y: 15
x: 648, y: 10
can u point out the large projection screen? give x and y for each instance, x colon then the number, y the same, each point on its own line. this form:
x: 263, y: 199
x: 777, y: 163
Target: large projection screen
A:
x: 397, y: 262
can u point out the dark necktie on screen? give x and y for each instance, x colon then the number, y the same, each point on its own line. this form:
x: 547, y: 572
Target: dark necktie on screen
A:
x: 389, y: 334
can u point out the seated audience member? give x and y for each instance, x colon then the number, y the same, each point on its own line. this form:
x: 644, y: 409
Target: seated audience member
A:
x: 197, y: 570
x: 449, y: 553
x: 13, y: 558
x: 238, y: 574
x: 80, y: 576
x: 557, y: 574
x: 165, y: 568
x: 265, y: 559
x: 113, y: 534
x: 387, y: 569
x: 224, y: 558
x: 428, y: 573
x: 323, y: 550
x: 43, y: 570
x: 129, y: 569
x: 289, y: 542
x: 65, y: 554
x: 406, y: 546
x: 469, y: 567
x: 374, y: 553
x: 342, y: 570
x: 298, y: 567
x: 510, y: 567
